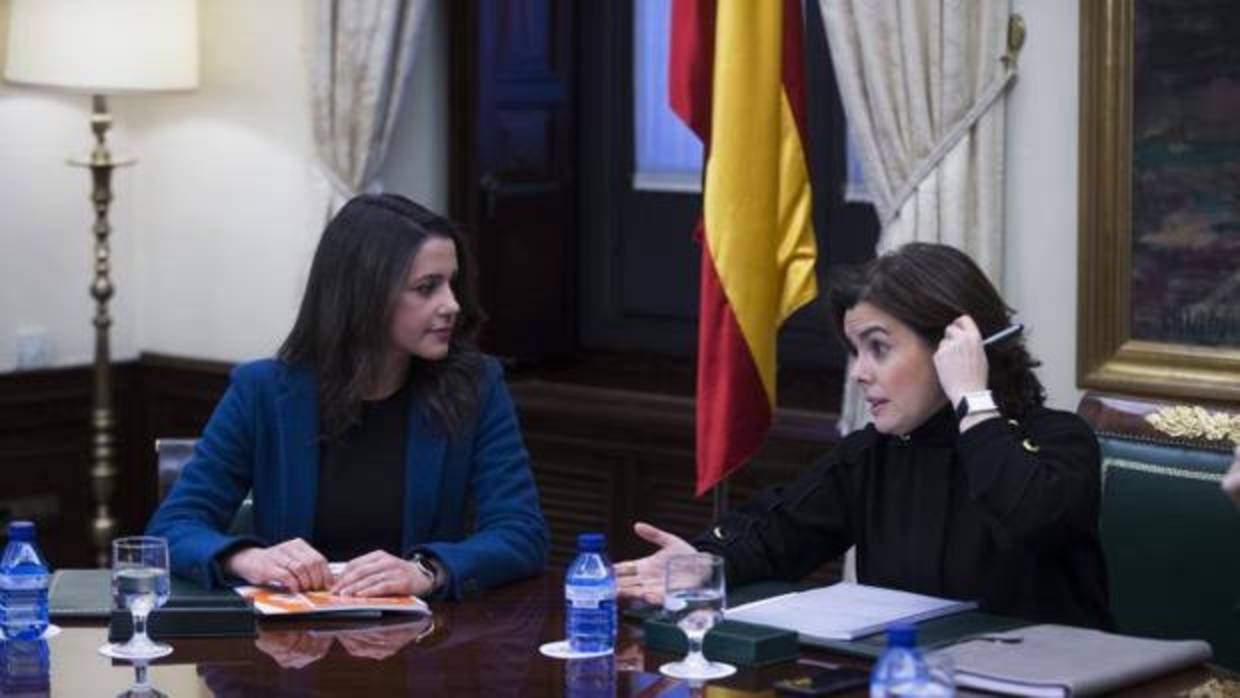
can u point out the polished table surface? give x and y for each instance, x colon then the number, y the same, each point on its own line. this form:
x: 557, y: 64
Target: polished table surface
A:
x: 487, y: 646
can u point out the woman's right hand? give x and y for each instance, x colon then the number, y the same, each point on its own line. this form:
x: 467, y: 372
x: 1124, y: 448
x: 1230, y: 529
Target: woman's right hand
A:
x: 293, y: 564
x: 645, y: 578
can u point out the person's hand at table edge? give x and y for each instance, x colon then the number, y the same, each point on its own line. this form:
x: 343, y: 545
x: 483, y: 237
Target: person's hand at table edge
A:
x: 293, y: 564
x: 380, y: 573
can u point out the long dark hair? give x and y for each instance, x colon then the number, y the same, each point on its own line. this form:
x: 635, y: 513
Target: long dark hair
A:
x: 928, y: 286
x: 341, y: 332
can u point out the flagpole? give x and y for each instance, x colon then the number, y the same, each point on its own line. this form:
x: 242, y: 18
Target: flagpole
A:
x: 719, y: 497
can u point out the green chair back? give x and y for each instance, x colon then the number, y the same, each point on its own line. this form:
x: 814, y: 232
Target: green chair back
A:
x: 1172, y: 542
x: 171, y: 455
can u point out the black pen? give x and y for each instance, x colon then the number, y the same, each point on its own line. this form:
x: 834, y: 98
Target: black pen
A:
x: 1003, y: 333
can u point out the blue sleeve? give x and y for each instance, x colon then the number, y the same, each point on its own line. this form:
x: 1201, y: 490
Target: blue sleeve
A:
x: 510, y: 536
x: 195, y: 514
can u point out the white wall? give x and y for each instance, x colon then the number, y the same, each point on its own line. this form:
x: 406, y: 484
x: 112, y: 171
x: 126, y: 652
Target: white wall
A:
x: 1041, y: 192
x: 227, y: 197
x: 45, y: 219
x: 214, y: 228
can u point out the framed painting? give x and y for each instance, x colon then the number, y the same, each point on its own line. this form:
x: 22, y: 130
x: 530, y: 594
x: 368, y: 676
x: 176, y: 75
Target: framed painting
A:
x: 1159, y: 235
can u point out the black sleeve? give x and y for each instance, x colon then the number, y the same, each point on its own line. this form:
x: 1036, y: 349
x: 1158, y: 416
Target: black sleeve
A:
x: 1038, y: 480
x: 786, y: 531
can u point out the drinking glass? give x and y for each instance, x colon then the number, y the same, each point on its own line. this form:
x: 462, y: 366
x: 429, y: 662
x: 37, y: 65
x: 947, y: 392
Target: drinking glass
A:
x: 139, y: 583
x: 694, y: 596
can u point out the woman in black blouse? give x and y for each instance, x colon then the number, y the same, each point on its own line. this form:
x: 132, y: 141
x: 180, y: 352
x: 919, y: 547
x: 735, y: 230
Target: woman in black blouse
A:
x: 964, y: 485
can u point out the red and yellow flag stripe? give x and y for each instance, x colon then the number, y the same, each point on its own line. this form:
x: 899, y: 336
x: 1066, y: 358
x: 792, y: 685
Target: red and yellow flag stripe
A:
x: 759, y: 251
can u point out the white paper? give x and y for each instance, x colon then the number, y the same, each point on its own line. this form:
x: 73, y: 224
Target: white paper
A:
x: 844, y: 611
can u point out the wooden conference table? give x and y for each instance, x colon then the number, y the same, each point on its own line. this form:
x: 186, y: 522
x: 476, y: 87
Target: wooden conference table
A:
x: 487, y: 646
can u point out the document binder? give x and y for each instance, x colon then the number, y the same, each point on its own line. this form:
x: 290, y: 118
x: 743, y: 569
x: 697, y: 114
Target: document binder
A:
x: 1060, y: 661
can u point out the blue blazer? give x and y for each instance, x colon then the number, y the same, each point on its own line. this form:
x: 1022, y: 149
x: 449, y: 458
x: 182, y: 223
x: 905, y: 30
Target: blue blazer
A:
x: 264, y: 437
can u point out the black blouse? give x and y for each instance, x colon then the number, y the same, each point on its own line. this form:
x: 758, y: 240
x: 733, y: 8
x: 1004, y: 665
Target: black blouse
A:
x: 361, y: 496
x: 1005, y: 514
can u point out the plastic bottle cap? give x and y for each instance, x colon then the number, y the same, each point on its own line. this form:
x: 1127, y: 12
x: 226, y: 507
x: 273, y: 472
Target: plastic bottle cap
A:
x: 902, y: 635
x: 21, y: 530
x: 591, y: 542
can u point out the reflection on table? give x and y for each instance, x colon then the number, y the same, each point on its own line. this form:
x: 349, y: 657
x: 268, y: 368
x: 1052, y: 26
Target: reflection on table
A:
x: 484, y: 647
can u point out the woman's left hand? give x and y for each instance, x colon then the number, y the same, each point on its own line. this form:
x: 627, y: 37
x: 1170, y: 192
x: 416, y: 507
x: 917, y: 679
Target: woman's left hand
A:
x: 380, y: 573
x: 961, y: 360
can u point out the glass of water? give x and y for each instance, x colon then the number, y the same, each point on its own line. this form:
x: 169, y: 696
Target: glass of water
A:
x: 140, y: 584
x: 694, y: 596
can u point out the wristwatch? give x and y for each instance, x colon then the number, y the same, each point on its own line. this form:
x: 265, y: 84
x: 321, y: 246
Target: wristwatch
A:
x: 427, y: 566
x: 973, y: 403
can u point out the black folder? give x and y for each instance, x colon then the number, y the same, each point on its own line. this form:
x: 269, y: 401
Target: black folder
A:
x: 191, y: 611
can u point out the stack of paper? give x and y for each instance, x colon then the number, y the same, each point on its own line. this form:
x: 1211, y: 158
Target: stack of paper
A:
x: 844, y: 611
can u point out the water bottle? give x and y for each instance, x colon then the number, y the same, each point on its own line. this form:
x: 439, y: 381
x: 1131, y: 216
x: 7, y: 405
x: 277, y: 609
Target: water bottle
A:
x: 590, y: 597
x: 900, y: 669
x: 23, y: 585
x: 25, y: 668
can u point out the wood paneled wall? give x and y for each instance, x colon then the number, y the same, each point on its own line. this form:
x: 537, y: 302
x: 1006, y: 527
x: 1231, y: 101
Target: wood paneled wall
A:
x: 607, y: 457
x: 44, y: 452
x: 603, y: 457
x: 45, y: 441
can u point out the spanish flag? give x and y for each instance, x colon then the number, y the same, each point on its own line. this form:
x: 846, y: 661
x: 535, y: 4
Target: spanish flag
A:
x: 736, y: 78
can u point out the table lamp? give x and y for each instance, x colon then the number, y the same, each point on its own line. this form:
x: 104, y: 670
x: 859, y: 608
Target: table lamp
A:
x: 100, y: 48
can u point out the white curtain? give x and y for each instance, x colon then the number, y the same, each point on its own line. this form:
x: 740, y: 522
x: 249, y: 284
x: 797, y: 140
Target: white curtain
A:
x: 922, y: 84
x: 361, y: 55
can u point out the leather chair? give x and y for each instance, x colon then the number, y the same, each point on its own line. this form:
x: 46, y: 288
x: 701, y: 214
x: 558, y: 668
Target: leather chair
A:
x: 172, y: 455
x: 1171, y: 536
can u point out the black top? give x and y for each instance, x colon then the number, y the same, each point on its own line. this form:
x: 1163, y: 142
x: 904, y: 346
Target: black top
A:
x: 1005, y: 514
x: 360, y: 504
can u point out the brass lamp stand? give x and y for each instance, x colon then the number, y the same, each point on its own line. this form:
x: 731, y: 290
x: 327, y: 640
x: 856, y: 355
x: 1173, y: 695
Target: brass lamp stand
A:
x: 103, y: 474
x: 133, y: 47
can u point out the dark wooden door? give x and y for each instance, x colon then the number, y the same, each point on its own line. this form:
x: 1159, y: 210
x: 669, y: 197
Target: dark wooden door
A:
x: 513, y: 179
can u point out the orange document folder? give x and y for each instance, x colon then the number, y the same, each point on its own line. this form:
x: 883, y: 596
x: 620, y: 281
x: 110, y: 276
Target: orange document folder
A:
x: 279, y: 602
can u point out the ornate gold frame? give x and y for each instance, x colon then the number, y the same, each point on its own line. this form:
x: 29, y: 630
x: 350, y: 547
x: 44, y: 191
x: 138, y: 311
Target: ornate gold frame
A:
x: 1107, y: 356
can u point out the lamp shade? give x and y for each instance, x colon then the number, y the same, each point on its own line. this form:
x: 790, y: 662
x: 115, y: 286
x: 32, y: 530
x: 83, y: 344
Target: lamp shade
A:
x: 103, y: 46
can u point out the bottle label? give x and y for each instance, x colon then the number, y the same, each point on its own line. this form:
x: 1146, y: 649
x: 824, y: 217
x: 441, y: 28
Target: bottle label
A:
x: 23, y: 582
x: 589, y: 596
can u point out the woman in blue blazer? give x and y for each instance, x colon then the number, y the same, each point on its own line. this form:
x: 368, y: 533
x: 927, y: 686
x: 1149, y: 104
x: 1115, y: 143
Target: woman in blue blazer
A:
x: 379, y: 436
